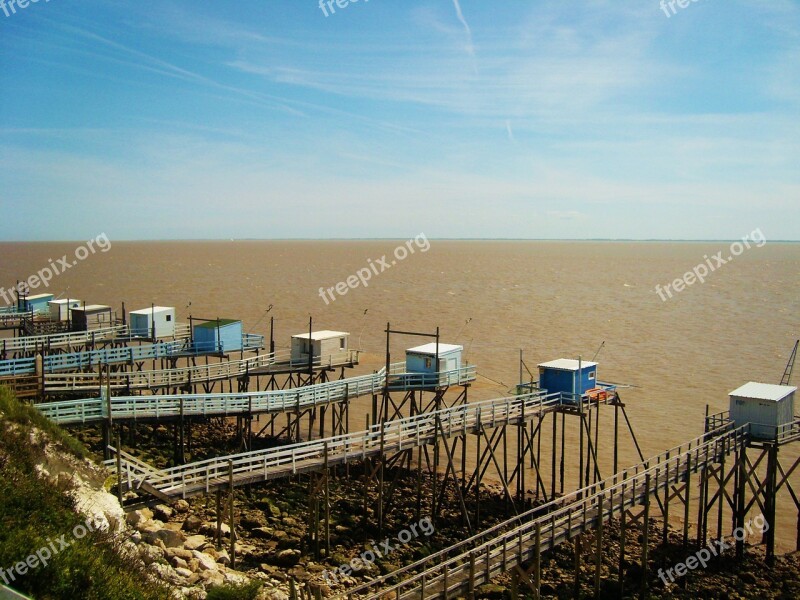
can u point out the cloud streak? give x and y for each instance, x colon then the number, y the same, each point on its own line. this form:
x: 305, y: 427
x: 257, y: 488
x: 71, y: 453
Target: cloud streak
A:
x: 468, y: 30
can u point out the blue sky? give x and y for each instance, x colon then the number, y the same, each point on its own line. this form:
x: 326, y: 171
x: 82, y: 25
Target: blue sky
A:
x: 519, y: 119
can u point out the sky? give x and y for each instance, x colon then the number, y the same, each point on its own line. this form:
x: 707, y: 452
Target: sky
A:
x: 388, y: 118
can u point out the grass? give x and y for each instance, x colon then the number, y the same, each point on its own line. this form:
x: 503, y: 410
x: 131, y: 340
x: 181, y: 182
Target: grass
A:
x: 35, y: 512
x: 26, y: 415
x: 242, y: 591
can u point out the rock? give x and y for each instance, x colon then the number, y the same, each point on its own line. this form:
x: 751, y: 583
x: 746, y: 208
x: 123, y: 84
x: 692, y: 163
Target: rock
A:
x: 276, y: 595
x: 165, y: 572
x: 192, y: 523
x: 163, y: 512
x: 288, y: 557
x: 211, y: 552
x: 235, y: 578
x: 205, y: 562
x: 150, y: 526
x: 290, y: 521
x: 180, y: 553
x: 212, y: 578
x: 138, y: 517
x: 223, y: 558
x: 183, y: 572
x: 279, y: 535
x: 253, y: 520
x: 210, y: 529
x: 195, y: 542
x: 492, y: 591
x: 181, y: 506
x: 171, y: 539
x: 151, y: 554
x: 748, y: 577
x: 265, y: 533
x: 179, y: 563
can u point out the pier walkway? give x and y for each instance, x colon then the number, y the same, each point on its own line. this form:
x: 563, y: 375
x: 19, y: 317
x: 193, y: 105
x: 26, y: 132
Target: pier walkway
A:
x: 278, y: 362
x: 462, y: 568
x: 35, y: 343
x: 154, y: 408
x: 388, y: 438
x: 89, y: 359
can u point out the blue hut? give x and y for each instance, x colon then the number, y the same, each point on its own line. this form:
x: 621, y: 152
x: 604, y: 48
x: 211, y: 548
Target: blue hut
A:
x: 39, y: 304
x: 563, y: 376
x: 220, y: 335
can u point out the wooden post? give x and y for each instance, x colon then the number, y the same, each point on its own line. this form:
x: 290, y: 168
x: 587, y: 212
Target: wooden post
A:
x: 381, y: 458
x: 119, y: 469
x: 327, y: 506
x: 219, y: 519
x: 576, y: 586
x: 537, y: 563
x: 598, y: 558
x: 770, y: 501
x: 687, y: 494
x: 645, y: 534
x: 622, y: 525
x: 701, y: 507
x: 665, y: 532
x: 233, y: 532
x: 740, y: 500
x: 553, y: 459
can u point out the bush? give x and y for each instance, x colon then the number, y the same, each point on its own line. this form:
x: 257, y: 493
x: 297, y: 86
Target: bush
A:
x: 35, y: 513
x: 242, y: 591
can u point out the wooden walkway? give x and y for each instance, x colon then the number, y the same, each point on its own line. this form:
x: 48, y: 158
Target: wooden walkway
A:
x: 164, y: 407
x: 461, y: 569
x: 185, y: 376
x: 390, y: 437
x: 89, y: 359
x: 35, y: 343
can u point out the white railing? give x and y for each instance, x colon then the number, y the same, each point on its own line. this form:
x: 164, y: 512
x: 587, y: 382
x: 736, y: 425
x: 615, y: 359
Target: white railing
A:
x: 166, y: 378
x: 513, y: 541
x: 210, y: 405
x: 36, y: 342
x: 390, y: 437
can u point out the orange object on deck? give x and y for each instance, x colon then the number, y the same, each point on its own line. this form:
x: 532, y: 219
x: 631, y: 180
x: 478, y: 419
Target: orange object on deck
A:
x: 597, y: 394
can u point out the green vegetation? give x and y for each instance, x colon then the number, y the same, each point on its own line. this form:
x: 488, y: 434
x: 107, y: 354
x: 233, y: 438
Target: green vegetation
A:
x: 35, y: 512
x: 27, y: 416
x: 242, y: 591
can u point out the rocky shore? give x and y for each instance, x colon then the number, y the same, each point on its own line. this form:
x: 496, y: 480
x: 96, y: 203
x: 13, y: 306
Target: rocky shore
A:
x: 177, y: 543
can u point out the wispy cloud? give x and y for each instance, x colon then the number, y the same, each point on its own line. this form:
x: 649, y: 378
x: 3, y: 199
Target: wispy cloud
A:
x: 509, y: 131
x: 470, y: 44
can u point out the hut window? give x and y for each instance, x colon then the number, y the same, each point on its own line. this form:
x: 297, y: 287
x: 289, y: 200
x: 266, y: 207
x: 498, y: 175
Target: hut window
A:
x: 341, y: 343
x: 169, y: 318
x: 591, y: 375
x: 428, y: 363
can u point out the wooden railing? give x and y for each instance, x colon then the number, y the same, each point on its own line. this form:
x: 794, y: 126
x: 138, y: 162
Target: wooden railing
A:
x: 462, y: 568
x: 389, y: 437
